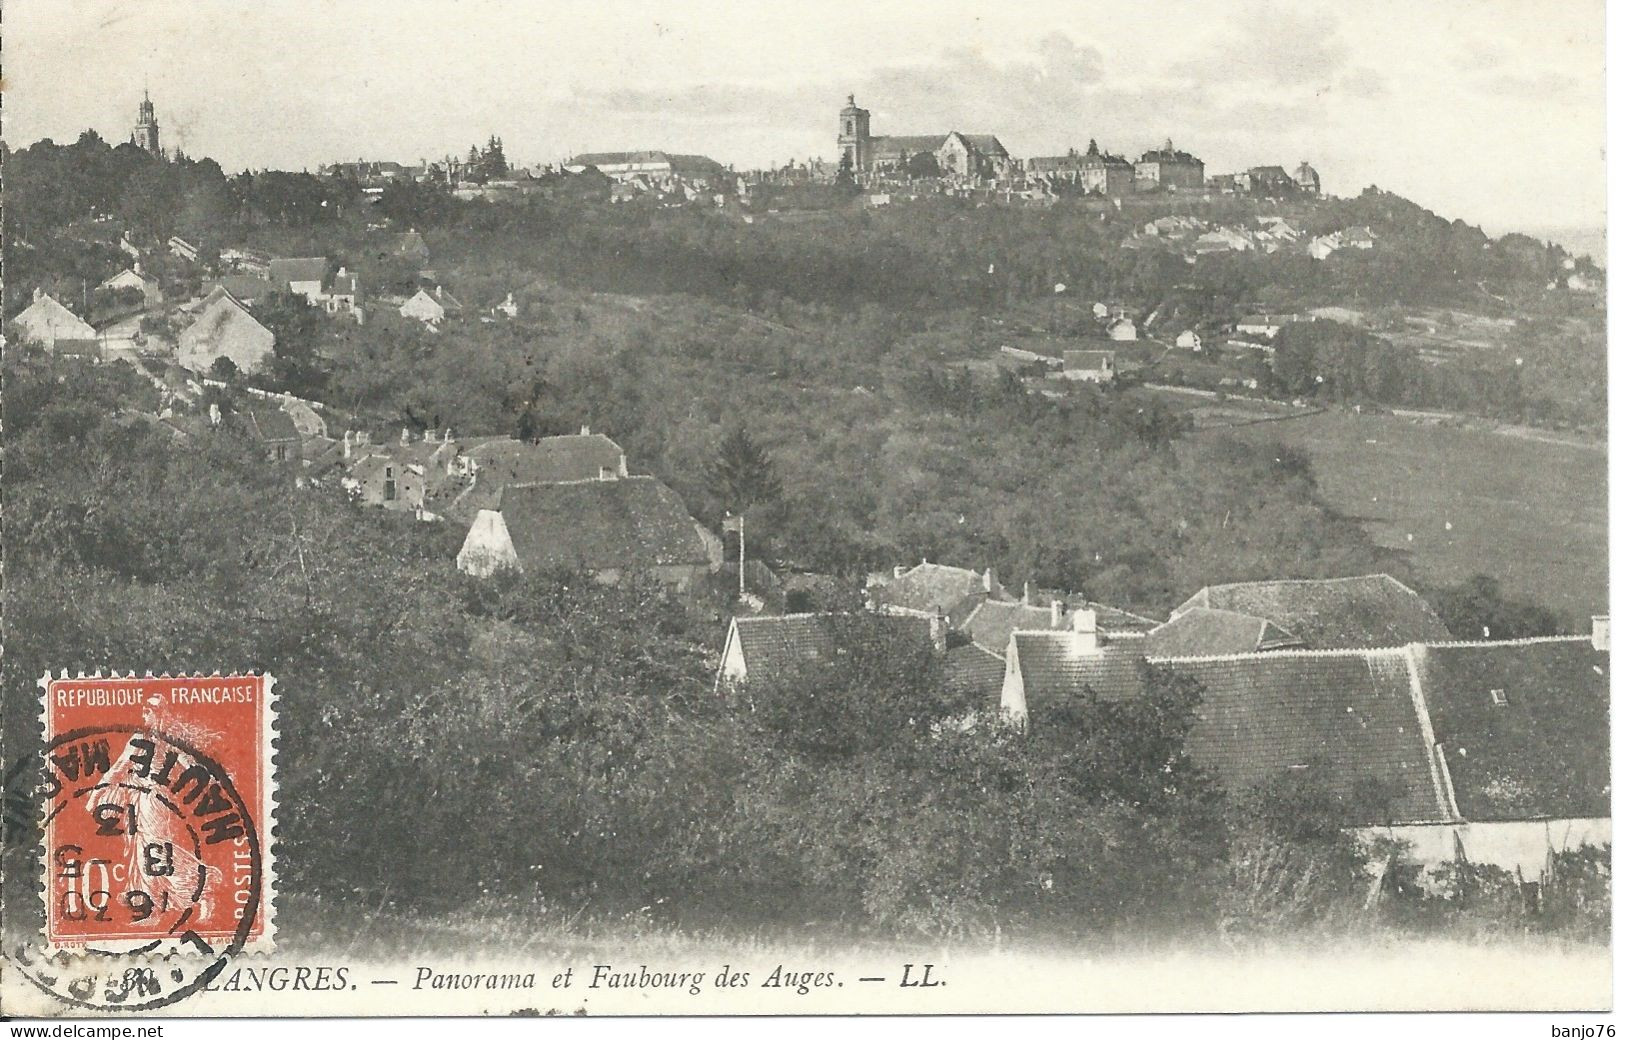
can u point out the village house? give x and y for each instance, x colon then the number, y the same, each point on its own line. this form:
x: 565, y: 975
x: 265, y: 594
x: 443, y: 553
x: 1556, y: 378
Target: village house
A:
x: 399, y: 475
x: 431, y: 308
x: 48, y: 323
x: 274, y: 431
x: 976, y: 606
x: 183, y: 249
x: 1092, y: 366
x: 611, y: 528
x: 132, y: 278
x: 303, y: 276
x: 409, y: 246
x: 342, y: 293
x: 1491, y: 751
x: 1188, y: 340
x: 1266, y: 325
x: 248, y: 289
x: 1369, y: 610
x: 1122, y: 329
x: 492, y: 464
x: 1093, y: 172
x: 778, y: 647
x: 224, y: 329
x: 247, y: 261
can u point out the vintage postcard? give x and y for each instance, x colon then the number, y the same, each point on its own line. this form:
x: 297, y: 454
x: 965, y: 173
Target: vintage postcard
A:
x: 867, y: 508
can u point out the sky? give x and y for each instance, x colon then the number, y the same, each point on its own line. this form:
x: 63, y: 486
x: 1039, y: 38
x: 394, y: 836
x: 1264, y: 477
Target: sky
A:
x: 1488, y: 110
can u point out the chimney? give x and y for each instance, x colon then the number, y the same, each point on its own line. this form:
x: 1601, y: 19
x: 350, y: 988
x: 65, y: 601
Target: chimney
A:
x: 586, y: 431
x: 990, y: 581
x: 348, y: 443
x: 446, y: 436
x: 428, y: 435
x: 1026, y: 593
x: 1055, y: 611
x: 939, y: 632
x: 406, y: 435
x: 620, y: 469
x: 1599, y: 633
x: 37, y: 293
x: 1084, y: 637
x: 214, y: 414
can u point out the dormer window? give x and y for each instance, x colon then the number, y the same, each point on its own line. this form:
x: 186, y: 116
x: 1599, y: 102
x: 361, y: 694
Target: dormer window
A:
x: 1498, y: 698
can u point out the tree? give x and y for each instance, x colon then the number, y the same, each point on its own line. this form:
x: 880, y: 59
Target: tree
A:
x: 743, y: 474
x: 844, y: 178
x: 1478, y: 609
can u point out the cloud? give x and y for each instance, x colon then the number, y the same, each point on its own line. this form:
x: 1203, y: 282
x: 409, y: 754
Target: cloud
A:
x: 1364, y: 82
x: 1283, y: 47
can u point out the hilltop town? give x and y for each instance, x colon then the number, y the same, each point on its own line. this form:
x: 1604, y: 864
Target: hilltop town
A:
x: 617, y: 444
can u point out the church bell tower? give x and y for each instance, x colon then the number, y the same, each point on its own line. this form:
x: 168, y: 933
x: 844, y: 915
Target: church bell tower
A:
x: 145, y: 135
x: 854, y: 135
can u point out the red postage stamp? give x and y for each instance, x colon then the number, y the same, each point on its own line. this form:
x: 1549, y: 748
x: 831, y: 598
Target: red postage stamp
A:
x: 158, y: 797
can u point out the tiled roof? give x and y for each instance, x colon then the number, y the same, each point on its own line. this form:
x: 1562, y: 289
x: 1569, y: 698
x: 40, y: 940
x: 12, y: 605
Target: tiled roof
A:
x: 1522, y: 725
x: 271, y: 424
x: 297, y: 269
x: 245, y: 287
x: 1202, y: 631
x: 632, y: 522
x: 975, y: 674
x: 987, y: 144
x: 1347, y: 719
x: 1053, y: 668
x: 930, y: 587
x: 992, y: 622
x: 908, y: 145
x: 551, y: 460
x: 777, y: 644
x: 1107, y: 619
x: 1372, y: 610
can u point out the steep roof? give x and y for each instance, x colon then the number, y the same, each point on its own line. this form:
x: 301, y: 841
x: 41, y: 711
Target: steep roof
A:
x: 1522, y: 725
x: 1203, y: 630
x: 777, y: 644
x: 987, y: 144
x: 1371, y: 610
x: 297, y: 269
x: 1053, y: 669
x: 1107, y: 619
x: 975, y: 674
x: 271, y: 424
x: 1348, y: 719
x: 245, y: 287
x: 631, y: 522
x: 551, y: 460
x: 47, y: 318
x: 907, y: 145
x: 930, y: 587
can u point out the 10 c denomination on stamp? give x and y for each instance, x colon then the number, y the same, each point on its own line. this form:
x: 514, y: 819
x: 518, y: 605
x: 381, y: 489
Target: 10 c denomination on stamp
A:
x: 157, y: 797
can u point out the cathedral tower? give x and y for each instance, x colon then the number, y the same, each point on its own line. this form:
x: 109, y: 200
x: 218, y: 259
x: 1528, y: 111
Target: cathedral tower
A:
x: 145, y: 135
x: 854, y: 135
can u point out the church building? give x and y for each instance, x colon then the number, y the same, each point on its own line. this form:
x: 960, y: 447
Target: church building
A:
x: 949, y: 154
x: 145, y: 134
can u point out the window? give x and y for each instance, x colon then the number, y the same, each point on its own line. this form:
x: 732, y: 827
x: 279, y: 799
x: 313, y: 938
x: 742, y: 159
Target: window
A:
x: 389, y: 483
x: 1498, y: 698
x: 282, y: 453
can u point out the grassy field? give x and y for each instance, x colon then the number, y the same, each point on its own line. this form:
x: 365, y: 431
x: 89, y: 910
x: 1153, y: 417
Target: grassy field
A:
x: 1463, y: 500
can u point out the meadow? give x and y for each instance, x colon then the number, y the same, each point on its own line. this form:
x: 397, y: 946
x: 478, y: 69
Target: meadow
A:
x: 1464, y: 500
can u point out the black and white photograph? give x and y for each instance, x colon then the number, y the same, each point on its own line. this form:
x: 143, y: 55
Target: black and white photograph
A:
x: 734, y: 508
